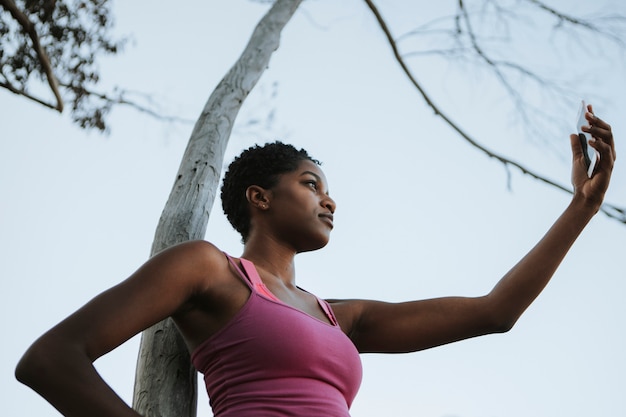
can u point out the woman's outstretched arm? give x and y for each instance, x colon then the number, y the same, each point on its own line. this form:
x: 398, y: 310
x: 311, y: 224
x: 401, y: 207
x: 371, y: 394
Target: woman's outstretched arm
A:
x: 402, y: 327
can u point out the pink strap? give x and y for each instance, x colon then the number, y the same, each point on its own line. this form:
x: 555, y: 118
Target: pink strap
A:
x: 253, y: 277
x: 258, y: 284
x: 328, y: 311
x: 239, y: 271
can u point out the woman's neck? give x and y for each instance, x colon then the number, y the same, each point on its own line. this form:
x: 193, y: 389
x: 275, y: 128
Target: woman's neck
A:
x: 272, y: 257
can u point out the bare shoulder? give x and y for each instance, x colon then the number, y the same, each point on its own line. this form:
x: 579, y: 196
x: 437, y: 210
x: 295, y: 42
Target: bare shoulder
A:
x: 212, y: 291
x: 162, y: 287
x: 347, y: 312
x: 198, y: 252
x: 198, y: 262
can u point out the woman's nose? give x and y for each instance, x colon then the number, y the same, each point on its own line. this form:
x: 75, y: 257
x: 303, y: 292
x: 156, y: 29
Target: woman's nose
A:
x: 329, y: 203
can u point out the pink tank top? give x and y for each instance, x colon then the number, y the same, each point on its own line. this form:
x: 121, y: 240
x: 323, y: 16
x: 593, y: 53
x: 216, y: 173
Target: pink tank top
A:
x: 274, y: 360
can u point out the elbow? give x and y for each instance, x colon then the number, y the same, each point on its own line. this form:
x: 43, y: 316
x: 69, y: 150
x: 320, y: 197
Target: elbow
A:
x: 40, y: 361
x: 30, y: 365
x: 35, y: 363
x: 499, y: 318
x: 503, y: 326
x: 497, y: 321
x: 502, y: 323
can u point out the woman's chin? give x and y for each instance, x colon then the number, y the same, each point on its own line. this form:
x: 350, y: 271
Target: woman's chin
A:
x: 314, y: 245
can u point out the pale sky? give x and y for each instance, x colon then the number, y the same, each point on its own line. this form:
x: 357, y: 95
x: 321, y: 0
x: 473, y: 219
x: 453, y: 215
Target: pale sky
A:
x: 420, y: 213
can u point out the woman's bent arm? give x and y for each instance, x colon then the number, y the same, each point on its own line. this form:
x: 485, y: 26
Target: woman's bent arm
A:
x: 59, y: 364
x: 61, y: 372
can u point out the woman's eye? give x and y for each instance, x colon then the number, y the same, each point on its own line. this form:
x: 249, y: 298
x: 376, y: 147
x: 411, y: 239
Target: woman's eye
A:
x: 312, y: 184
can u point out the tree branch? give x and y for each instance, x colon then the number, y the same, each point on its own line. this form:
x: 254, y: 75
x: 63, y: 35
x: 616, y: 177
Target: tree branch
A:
x: 500, y: 69
x: 111, y: 100
x: 23, y: 93
x: 608, y: 209
x: 562, y: 17
x: 464, y: 16
x: 44, y: 61
x: 133, y: 104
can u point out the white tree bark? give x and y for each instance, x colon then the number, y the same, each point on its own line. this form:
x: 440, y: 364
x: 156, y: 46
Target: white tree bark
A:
x: 165, y: 381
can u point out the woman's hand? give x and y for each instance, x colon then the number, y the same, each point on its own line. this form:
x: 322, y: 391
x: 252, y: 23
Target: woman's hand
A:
x: 591, y: 190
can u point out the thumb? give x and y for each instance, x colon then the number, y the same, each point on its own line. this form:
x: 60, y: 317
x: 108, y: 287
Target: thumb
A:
x: 577, y: 150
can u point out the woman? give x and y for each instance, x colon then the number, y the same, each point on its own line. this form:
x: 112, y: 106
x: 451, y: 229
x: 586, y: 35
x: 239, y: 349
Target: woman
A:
x: 267, y: 347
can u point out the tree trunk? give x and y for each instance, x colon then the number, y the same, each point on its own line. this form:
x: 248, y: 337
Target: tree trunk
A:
x: 165, y: 381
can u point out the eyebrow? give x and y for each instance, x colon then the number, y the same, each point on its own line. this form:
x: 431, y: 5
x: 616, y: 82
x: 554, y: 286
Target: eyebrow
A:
x: 317, y: 177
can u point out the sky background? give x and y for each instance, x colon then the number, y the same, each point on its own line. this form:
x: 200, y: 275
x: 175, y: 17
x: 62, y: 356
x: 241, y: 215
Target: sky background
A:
x: 420, y: 213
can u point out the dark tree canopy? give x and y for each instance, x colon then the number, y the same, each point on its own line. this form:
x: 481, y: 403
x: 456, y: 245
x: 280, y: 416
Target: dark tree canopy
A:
x: 58, y: 42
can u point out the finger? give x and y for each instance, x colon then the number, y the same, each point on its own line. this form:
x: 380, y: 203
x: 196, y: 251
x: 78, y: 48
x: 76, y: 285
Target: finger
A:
x: 600, y: 132
x: 577, y: 150
x: 595, y: 120
x: 604, y: 134
x: 599, y: 129
x: 605, y: 149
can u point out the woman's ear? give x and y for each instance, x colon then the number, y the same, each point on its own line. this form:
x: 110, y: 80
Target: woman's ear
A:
x: 258, y: 197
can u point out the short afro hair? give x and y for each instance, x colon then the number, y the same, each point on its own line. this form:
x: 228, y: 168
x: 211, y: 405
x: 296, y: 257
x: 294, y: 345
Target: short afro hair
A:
x: 257, y: 165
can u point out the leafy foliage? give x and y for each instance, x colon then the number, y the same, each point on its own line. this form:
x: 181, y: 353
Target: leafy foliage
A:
x: 58, y: 42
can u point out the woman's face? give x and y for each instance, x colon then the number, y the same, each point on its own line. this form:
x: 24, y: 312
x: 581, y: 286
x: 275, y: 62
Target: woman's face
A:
x: 300, y: 209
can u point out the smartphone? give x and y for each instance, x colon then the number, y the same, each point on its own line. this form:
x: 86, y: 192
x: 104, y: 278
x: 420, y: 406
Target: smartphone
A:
x: 591, y: 155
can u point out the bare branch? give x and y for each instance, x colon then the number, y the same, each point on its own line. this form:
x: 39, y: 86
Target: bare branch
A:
x: 562, y: 17
x: 497, y: 67
x: 426, y: 28
x: 464, y: 16
x: 608, y: 209
x: 119, y: 99
x: 109, y: 100
x: 470, y: 44
x: 467, y: 46
x: 23, y: 93
x: 44, y: 61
